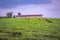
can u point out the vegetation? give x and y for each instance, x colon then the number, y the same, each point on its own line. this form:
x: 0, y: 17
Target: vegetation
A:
x: 3, y: 17
x: 29, y: 29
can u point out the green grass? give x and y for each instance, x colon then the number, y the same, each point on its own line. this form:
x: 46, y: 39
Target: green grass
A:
x: 30, y: 29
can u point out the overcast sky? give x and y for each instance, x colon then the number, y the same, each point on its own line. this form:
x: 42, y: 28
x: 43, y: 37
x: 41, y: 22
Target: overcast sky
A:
x: 49, y: 8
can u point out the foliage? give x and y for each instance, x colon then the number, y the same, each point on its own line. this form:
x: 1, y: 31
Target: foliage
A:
x: 30, y: 29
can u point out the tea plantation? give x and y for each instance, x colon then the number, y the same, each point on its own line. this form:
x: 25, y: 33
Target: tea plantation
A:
x: 29, y: 29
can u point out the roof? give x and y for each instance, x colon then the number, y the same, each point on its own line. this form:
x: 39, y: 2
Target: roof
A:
x: 28, y: 15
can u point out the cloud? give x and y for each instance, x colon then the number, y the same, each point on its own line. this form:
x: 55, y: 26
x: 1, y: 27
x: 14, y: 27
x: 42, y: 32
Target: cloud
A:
x: 48, y: 10
x: 14, y: 3
x: 29, y: 9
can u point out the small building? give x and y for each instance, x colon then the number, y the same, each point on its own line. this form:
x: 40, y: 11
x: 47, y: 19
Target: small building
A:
x: 29, y: 16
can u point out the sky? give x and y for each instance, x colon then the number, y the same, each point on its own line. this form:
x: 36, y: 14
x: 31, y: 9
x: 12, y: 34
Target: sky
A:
x: 49, y: 8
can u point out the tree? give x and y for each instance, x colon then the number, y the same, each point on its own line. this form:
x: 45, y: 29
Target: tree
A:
x: 14, y: 16
x: 9, y: 14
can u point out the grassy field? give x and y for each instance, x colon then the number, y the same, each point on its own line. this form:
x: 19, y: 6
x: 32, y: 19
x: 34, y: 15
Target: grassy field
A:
x: 29, y: 29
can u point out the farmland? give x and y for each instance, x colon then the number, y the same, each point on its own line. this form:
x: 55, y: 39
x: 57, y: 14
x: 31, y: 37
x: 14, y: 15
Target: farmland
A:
x: 29, y: 29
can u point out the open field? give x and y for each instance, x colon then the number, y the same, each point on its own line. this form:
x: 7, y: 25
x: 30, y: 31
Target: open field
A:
x: 29, y: 29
